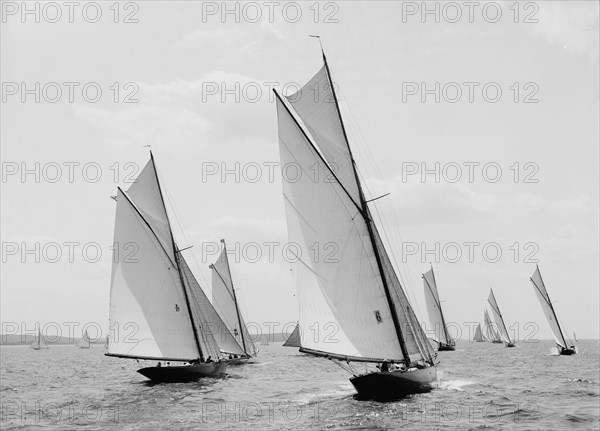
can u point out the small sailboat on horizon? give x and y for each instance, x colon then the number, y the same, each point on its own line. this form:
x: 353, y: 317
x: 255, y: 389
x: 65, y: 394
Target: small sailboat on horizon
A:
x: 479, y: 337
x: 84, y: 343
x: 38, y: 342
x: 563, y: 347
x: 499, y: 320
x: 492, y: 332
x: 436, y: 315
x: 153, y: 289
x: 294, y: 339
x: 356, y: 299
x: 224, y: 299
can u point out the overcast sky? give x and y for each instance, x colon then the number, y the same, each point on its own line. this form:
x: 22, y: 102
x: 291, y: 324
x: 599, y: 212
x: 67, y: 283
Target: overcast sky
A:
x: 173, y: 64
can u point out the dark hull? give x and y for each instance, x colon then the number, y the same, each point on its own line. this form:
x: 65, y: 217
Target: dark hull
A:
x: 510, y: 344
x: 393, y: 385
x: 237, y: 361
x: 497, y: 341
x: 446, y: 348
x: 184, y: 373
x: 567, y: 352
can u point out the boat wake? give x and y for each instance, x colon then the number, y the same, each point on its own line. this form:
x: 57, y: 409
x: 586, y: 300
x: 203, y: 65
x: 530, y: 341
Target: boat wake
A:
x: 455, y: 385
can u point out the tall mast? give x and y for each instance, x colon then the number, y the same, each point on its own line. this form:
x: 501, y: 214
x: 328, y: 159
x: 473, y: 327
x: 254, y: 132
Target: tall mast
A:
x: 368, y: 221
x: 549, y: 302
x: 176, y: 253
x: 237, y: 310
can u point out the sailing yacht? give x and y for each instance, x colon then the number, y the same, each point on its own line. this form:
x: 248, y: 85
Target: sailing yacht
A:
x: 38, y: 342
x: 563, y: 347
x: 355, y: 298
x: 479, y: 337
x: 492, y: 332
x: 157, y: 308
x: 294, y: 338
x: 225, y: 301
x: 85, y: 341
x: 436, y: 315
x: 499, y: 320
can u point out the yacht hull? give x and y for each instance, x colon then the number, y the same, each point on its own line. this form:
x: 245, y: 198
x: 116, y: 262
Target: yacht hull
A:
x: 184, y: 373
x: 395, y: 384
x: 446, y: 348
x: 510, y: 344
x: 567, y: 352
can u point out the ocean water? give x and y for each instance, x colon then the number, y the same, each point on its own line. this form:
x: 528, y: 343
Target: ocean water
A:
x: 482, y: 386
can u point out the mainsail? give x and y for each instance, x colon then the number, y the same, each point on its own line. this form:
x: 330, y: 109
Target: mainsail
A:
x: 225, y: 301
x: 151, y: 306
x: 498, y: 317
x: 491, y: 331
x: 294, y: 339
x: 542, y: 295
x: 478, y: 334
x: 348, y: 289
x: 434, y: 309
x: 85, y: 341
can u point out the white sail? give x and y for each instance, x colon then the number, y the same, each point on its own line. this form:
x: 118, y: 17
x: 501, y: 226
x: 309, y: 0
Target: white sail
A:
x: 478, y: 334
x: 344, y: 309
x: 294, y: 338
x: 434, y: 308
x: 215, y: 337
x: 225, y: 301
x: 85, y: 341
x: 147, y: 303
x: 542, y: 295
x: 38, y: 342
x: 492, y: 333
x: 316, y: 106
x: 498, y: 317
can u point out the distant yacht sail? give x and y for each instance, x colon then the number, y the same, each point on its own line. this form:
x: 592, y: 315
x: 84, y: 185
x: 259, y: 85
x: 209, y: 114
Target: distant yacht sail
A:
x: 490, y: 329
x: 563, y: 347
x: 499, y: 320
x: 478, y: 337
x: 436, y: 315
x: 294, y: 339
x: 153, y: 289
x: 355, y: 298
x: 38, y: 342
x: 85, y: 341
x: 226, y: 302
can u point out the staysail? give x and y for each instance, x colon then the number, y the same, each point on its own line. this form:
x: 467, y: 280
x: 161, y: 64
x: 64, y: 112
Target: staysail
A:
x: 491, y: 331
x: 150, y: 306
x: 498, y: 317
x: 434, y: 308
x: 542, y: 295
x: 225, y: 301
x: 478, y: 334
x: 347, y: 287
x: 294, y: 338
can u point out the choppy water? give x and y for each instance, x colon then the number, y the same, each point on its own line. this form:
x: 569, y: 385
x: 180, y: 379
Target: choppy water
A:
x: 482, y: 386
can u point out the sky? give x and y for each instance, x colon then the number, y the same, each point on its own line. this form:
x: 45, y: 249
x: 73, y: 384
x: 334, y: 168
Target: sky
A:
x: 513, y: 134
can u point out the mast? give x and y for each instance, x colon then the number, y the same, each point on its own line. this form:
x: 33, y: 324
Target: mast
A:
x: 368, y: 221
x: 436, y: 298
x: 237, y: 310
x: 177, y: 264
x: 549, y: 302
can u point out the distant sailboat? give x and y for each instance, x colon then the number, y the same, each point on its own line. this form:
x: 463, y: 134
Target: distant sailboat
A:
x: 38, y: 342
x: 575, y: 337
x: 563, y: 347
x: 499, y: 320
x: 85, y: 341
x: 436, y: 315
x: 225, y: 300
x: 490, y: 329
x: 479, y: 337
x: 356, y: 296
x: 153, y: 288
x: 294, y: 339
